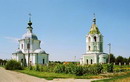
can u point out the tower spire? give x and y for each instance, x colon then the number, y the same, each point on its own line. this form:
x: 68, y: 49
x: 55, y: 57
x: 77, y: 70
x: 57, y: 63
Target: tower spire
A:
x: 94, y: 19
x: 29, y: 17
x: 29, y: 28
x: 30, y: 23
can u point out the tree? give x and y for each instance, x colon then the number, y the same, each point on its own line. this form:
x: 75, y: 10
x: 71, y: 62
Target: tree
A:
x: 119, y: 59
x: 125, y: 60
x: 128, y: 60
x: 1, y: 61
x: 112, y: 58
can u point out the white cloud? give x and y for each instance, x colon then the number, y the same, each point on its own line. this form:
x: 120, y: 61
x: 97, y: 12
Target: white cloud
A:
x: 13, y: 39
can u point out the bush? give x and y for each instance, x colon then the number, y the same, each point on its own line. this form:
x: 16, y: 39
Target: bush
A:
x: 37, y: 68
x: 30, y: 67
x: 109, y: 67
x: 60, y: 68
x: 41, y: 68
x: 92, y: 69
x: 70, y: 68
x: 79, y: 71
x: 13, y: 65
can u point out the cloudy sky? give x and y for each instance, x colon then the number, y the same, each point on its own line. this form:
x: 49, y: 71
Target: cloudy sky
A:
x: 62, y: 25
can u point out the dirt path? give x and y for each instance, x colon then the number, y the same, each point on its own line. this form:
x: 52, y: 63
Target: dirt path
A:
x: 11, y: 76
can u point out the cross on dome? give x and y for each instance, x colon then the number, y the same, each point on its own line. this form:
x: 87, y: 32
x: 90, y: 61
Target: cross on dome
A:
x: 94, y: 19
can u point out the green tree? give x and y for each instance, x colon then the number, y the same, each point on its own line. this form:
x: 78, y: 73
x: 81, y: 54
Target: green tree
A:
x: 119, y: 59
x: 1, y: 61
x: 128, y: 60
x: 112, y: 58
x: 125, y: 60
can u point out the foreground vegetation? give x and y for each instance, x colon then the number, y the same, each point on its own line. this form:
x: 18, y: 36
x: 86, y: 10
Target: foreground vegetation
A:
x: 13, y: 65
x: 73, y: 70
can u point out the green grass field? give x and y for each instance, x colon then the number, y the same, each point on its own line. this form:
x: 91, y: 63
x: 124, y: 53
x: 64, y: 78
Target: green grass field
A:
x: 114, y: 77
x: 52, y: 75
x: 119, y: 78
x: 120, y: 73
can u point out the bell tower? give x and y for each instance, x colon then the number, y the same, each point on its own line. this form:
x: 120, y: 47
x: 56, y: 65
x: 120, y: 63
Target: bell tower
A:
x: 94, y: 47
x: 94, y: 39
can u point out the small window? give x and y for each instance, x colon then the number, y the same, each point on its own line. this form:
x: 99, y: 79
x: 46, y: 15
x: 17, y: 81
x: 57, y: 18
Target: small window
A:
x: 43, y: 61
x: 95, y: 39
x: 22, y: 46
x: 91, y: 61
x: 28, y: 46
x: 88, y: 47
x: 87, y: 61
x: 22, y: 60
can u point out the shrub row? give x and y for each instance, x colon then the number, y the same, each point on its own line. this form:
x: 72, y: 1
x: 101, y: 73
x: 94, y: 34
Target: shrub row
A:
x: 74, y: 69
x: 64, y: 68
x: 78, y: 70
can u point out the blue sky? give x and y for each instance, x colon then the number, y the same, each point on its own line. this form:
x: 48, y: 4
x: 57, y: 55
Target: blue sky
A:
x: 63, y: 24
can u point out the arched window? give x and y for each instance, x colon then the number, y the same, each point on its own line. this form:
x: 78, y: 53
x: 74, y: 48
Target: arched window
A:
x: 88, y: 47
x: 87, y: 61
x: 43, y: 61
x: 21, y: 60
x: 91, y: 61
x: 95, y: 39
x: 89, y: 39
x: 28, y: 46
x: 22, y: 46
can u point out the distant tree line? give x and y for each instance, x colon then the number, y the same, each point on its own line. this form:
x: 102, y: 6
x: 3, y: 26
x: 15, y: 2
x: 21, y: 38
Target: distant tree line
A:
x: 119, y: 60
x: 2, y: 62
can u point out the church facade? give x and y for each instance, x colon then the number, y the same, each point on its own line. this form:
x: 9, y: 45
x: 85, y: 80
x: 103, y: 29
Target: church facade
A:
x: 29, y: 51
x: 94, y: 48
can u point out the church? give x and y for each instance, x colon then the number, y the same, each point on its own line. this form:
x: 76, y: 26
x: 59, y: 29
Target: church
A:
x: 94, y: 47
x: 29, y: 51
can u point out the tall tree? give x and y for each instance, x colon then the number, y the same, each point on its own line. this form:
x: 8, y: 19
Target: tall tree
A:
x: 112, y: 58
x: 125, y: 60
x: 128, y: 60
x: 119, y: 59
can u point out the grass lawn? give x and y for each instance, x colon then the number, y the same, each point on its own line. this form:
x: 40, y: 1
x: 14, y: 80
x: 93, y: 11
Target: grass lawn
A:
x: 119, y: 78
x: 51, y: 75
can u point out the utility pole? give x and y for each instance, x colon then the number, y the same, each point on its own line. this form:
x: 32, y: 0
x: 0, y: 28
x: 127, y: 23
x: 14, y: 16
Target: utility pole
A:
x: 74, y: 58
x: 109, y: 52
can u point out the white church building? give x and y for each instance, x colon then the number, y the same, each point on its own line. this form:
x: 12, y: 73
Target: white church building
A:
x: 94, y: 48
x: 29, y: 51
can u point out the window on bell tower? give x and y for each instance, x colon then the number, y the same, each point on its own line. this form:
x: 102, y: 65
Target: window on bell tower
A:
x: 28, y: 46
x: 88, y: 47
x: 95, y: 39
x: 22, y: 46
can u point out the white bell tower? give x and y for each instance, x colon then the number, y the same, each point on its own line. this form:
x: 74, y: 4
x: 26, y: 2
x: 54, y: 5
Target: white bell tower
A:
x: 94, y: 47
x: 94, y: 39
